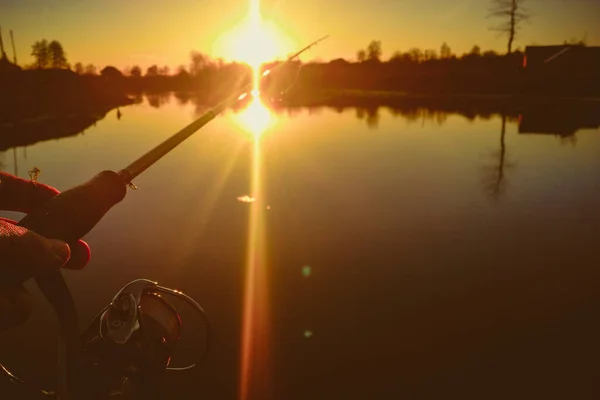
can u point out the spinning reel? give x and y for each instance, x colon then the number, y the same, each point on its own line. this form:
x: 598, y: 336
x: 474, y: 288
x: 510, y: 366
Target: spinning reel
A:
x: 127, y: 348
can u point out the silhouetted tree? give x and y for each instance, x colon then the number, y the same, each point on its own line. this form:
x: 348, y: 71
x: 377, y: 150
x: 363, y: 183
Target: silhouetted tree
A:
x: 475, y: 51
x: 415, y: 54
x: 513, y: 14
x: 430, y: 55
x: 135, y: 71
x: 397, y: 56
x: 577, y: 42
x: 490, y: 54
x: 91, y: 69
x: 56, y: 55
x: 181, y: 71
x: 78, y: 68
x: 152, y: 71
x: 199, y: 62
x: 374, y: 51
x: 361, y: 55
x: 39, y: 51
x: 164, y: 70
x: 111, y: 72
x: 445, y: 51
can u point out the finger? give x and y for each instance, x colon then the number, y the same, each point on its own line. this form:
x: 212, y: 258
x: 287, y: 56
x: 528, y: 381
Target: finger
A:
x: 15, y: 306
x: 25, y: 254
x: 80, y: 251
x: 80, y: 255
x: 17, y: 194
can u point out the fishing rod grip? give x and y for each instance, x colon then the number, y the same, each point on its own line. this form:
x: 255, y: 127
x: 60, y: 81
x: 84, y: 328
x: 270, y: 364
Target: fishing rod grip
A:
x: 71, y: 214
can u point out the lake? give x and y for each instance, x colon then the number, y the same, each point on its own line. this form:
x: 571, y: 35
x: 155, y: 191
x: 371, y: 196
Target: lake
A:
x: 346, y: 253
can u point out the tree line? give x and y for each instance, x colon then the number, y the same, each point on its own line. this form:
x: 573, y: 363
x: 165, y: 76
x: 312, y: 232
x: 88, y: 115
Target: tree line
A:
x: 373, y: 53
x: 51, y: 55
x: 512, y: 14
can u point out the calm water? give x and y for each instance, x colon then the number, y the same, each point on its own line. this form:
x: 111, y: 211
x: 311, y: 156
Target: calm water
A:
x: 390, y: 256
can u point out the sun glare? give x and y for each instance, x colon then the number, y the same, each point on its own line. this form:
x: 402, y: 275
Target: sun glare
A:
x: 254, y: 40
x: 256, y: 118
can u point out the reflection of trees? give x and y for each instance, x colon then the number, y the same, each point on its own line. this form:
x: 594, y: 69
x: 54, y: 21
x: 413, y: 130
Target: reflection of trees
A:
x: 183, y: 98
x: 494, y: 176
x: 314, y: 110
x: 370, y: 115
x: 138, y: 98
x: 37, y: 130
x: 293, y: 111
x: 570, y: 139
x: 157, y: 100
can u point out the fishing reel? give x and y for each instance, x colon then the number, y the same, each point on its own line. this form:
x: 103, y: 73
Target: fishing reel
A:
x: 128, y: 347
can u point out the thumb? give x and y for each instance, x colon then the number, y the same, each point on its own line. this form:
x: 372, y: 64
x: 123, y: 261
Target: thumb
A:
x: 25, y: 254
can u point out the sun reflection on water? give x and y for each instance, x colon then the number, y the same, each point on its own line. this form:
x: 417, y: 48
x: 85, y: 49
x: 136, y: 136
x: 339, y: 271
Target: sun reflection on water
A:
x: 256, y: 118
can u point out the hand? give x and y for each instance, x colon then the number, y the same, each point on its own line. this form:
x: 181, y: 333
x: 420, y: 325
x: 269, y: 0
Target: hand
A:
x: 25, y: 254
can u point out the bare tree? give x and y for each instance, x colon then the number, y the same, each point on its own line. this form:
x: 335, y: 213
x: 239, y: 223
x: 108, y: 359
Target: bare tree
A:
x: 513, y: 13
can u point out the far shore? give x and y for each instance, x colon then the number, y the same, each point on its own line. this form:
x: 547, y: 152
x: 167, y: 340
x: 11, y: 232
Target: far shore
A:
x: 24, y: 130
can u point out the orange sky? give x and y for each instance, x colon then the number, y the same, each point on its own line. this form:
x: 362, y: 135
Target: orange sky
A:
x: 145, y: 32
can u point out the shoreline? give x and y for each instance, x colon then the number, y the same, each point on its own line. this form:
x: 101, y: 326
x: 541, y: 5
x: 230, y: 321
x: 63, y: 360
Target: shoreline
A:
x: 25, y: 130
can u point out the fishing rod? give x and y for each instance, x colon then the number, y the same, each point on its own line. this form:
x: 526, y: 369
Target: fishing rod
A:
x: 129, y: 344
x: 144, y: 162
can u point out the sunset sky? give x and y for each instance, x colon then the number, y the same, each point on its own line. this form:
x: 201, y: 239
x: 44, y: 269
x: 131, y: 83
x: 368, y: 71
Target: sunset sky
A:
x: 145, y: 32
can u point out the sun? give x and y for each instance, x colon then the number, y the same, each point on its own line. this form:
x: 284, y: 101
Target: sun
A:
x: 255, y: 41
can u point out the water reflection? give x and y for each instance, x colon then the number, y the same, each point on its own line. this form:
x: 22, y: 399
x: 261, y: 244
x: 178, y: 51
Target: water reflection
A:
x: 255, y: 119
x: 561, y: 119
x: 158, y: 100
x: 28, y: 132
x: 371, y: 115
x: 494, y: 176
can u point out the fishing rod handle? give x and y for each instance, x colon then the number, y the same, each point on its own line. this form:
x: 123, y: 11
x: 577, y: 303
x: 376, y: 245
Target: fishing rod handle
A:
x: 71, y: 214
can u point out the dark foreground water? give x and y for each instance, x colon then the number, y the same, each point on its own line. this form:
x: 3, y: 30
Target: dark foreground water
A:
x: 394, y: 256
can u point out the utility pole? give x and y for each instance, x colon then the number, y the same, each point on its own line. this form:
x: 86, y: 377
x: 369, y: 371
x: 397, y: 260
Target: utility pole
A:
x: 3, y: 55
x: 12, y: 39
